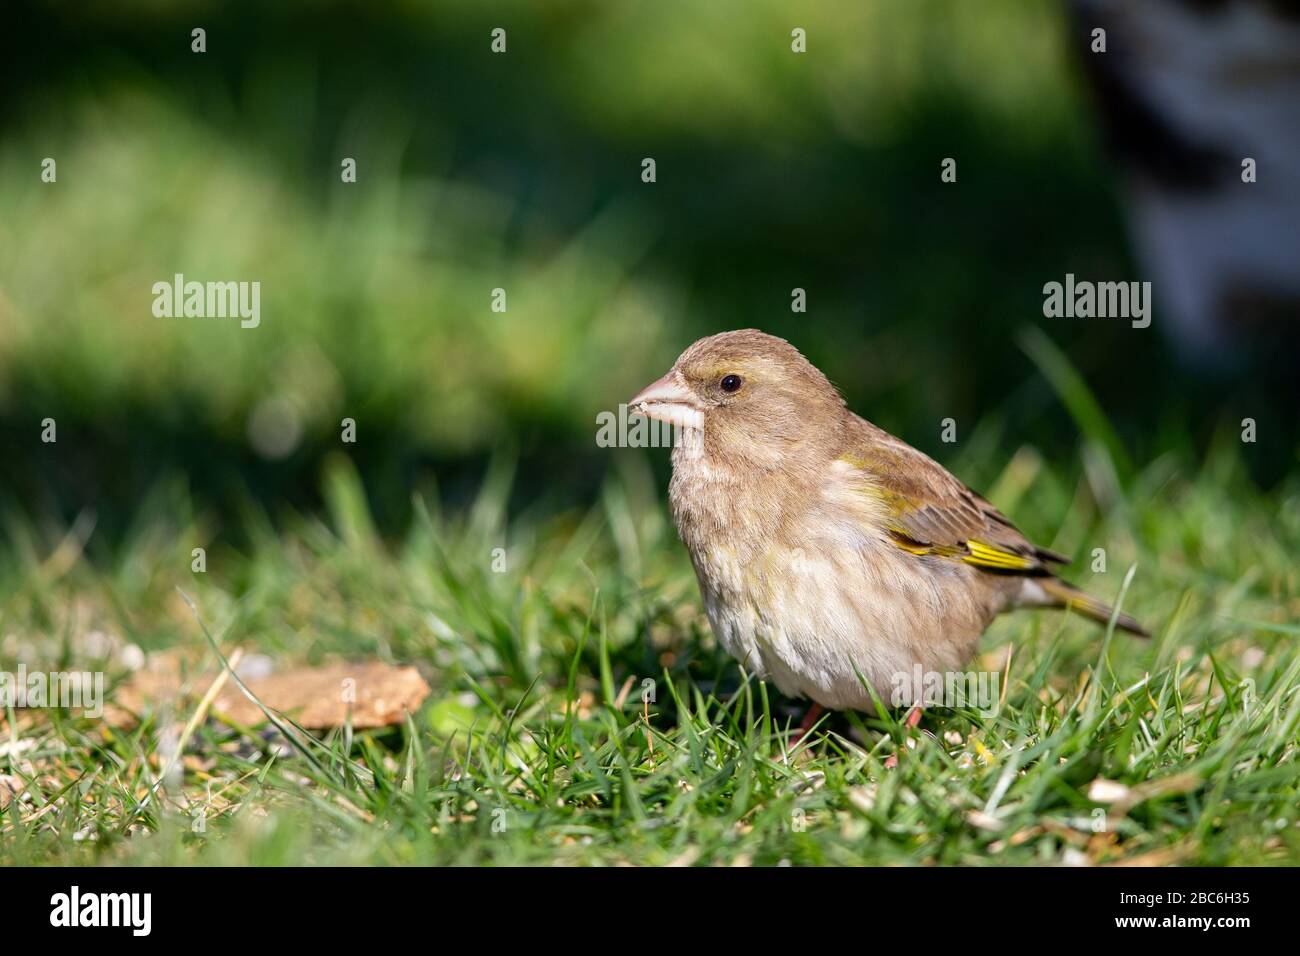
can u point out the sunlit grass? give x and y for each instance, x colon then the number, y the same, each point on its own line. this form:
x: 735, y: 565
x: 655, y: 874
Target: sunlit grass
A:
x: 535, y: 747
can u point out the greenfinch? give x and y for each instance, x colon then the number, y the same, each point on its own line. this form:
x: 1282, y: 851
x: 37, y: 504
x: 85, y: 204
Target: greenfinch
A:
x: 831, y: 556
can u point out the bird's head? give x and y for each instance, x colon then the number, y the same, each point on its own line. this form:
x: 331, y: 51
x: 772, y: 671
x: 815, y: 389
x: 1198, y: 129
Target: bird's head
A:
x: 752, y: 396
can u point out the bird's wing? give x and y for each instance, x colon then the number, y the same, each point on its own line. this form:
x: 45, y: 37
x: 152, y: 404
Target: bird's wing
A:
x: 929, y: 512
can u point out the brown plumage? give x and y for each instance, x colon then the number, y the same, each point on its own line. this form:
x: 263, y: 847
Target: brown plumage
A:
x: 825, y: 547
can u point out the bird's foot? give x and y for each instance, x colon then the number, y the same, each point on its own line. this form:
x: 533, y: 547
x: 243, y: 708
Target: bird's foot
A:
x: 910, y: 721
x: 806, y: 725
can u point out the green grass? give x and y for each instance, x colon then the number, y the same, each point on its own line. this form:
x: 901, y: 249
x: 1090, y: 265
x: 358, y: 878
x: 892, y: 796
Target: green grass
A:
x: 534, y: 748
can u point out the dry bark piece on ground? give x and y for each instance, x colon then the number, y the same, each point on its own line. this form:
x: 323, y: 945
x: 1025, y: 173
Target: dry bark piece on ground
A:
x: 374, y: 693
x: 11, y: 788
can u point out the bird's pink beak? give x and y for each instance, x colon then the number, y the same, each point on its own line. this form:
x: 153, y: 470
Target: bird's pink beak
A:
x: 669, y: 400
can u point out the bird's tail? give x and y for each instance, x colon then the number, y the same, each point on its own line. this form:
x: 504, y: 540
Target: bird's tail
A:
x: 1068, y: 596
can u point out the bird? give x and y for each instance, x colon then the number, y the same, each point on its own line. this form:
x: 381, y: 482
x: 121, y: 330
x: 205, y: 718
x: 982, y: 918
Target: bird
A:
x: 832, y: 557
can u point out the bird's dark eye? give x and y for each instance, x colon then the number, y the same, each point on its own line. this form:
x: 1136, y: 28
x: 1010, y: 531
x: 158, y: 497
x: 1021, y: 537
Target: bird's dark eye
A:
x: 730, y: 383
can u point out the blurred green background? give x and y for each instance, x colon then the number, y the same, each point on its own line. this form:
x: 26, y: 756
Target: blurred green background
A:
x: 522, y: 171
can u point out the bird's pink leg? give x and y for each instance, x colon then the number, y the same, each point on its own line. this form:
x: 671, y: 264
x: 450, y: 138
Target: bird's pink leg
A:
x: 910, y: 721
x: 806, y: 724
x: 810, y: 718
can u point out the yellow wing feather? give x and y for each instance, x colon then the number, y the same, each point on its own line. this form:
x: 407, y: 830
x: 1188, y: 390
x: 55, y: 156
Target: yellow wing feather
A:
x: 929, y: 512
